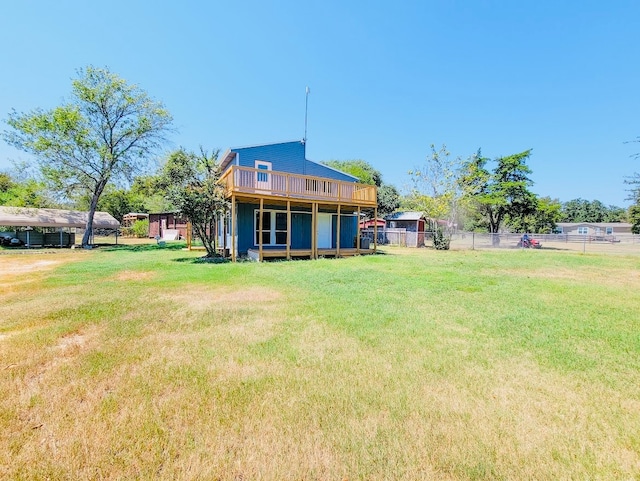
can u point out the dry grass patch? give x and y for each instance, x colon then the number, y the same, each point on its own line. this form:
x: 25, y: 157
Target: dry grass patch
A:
x: 199, y: 298
x: 128, y: 275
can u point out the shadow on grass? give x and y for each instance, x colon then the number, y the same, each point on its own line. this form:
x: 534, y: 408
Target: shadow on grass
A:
x: 201, y: 260
x: 144, y: 247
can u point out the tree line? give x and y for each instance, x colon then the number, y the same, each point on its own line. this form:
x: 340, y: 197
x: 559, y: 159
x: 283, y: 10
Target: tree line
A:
x: 98, y: 151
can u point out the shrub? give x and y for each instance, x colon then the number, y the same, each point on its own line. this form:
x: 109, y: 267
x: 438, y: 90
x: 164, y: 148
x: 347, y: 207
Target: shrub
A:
x: 441, y: 241
x: 140, y: 228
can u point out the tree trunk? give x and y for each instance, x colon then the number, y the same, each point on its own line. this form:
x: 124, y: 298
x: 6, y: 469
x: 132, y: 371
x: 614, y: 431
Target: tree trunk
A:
x: 92, y: 210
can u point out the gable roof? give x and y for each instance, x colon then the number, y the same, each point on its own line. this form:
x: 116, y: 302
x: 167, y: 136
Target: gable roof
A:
x: 410, y: 215
x: 29, y: 216
x: 230, y: 155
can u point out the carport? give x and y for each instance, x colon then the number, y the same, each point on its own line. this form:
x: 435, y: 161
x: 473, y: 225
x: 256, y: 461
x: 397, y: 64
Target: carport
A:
x: 52, y: 224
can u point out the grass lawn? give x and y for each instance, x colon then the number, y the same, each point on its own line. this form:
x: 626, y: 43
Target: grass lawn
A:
x: 137, y: 363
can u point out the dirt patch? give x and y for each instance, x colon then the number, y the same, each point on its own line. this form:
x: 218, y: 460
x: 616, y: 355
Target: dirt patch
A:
x: 25, y: 264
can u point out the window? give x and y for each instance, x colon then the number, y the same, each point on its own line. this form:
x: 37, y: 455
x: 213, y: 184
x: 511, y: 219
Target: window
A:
x: 263, y: 180
x: 583, y: 230
x: 609, y: 230
x: 274, y: 228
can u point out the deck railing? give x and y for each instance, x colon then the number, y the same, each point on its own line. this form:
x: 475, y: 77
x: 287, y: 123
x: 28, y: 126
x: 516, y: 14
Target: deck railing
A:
x: 248, y: 180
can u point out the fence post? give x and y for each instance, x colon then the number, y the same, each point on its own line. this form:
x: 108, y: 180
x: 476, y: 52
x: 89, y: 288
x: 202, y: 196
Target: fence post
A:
x: 473, y: 241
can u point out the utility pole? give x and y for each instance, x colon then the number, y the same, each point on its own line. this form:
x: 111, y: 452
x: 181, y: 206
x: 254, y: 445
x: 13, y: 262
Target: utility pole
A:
x: 306, y: 108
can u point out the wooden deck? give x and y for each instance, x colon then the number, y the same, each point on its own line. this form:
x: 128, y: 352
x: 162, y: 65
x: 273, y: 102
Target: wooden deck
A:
x: 255, y: 183
x: 306, y: 253
x: 267, y: 187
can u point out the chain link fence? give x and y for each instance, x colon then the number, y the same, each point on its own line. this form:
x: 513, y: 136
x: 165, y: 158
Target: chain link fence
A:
x: 626, y: 243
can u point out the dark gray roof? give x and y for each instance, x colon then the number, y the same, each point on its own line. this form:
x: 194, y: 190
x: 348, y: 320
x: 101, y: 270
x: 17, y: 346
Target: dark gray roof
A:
x: 405, y: 216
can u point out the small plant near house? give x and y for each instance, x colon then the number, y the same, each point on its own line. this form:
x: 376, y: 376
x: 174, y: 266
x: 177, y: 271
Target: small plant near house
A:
x: 441, y: 241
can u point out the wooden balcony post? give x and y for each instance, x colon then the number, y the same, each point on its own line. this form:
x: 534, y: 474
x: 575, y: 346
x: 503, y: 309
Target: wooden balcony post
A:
x: 233, y: 228
x: 338, y: 234
x: 375, y: 229
x: 358, y: 236
x: 288, y: 227
x: 314, y: 231
x: 260, y: 228
x: 225, y: 228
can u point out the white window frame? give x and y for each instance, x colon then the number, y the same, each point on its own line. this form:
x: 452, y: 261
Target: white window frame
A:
x: 272, y: 230
x: 608, y: 230
x: 583, y: 230
x: 263, y: 184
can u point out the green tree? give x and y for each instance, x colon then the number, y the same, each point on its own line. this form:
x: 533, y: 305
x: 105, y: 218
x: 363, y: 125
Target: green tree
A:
x: 358, y: 168
x: 437, y: 192
x: 388, y: 195
x: 192, y: 186
x: 28, y: 193
x: 633, y: 213
x: 499, y: 194
x: 388, y: 200
x: 118, y: 202
x: 543, y: 220
x: 581, y: 210
x: 153, y: 193
x: 103, y: 134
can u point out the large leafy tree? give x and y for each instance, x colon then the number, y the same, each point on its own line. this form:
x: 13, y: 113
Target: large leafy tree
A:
x: 388, y: 195
x: 192, y: 184
x: 581, y: 210
x: 104, y: 133
x: 358, y: 168
x: 542, y: 220
x: 27, y: 193
x: 388, y: 200
x: 633, y: 213
x: 437, y: 193
x: 500, y: 193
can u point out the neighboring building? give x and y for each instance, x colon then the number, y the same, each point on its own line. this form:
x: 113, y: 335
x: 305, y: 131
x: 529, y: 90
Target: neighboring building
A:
x: 52, y: 227
x: 283, y: 205
x: 129, y: 219
x: 370, y: 224
x: 594, y: 229
x: 163, y: 223
x: 412, y: 224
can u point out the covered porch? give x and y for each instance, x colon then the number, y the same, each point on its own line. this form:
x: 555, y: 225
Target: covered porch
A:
x: 284, y: 215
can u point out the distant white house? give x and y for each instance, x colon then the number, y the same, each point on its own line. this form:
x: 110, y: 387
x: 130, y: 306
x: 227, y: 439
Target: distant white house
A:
x: 594, y: 228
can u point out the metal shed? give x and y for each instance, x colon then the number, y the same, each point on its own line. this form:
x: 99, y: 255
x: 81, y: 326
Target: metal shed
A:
x: 28, y: 217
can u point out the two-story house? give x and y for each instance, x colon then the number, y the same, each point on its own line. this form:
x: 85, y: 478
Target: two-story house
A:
x: 283, y: 205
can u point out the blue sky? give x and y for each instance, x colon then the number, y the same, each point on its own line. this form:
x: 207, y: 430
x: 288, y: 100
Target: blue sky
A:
x: 387, y: 79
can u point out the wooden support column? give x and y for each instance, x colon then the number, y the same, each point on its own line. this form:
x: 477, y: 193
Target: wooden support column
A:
x: 189, y: 234
x: 224, y: 234
x: 288, y: 229
x: 314, y: 231
x: 260, y: 225
x: 358, y: 236
x: 338, y: 234
x: 233, y: 228
x: 375, y: 229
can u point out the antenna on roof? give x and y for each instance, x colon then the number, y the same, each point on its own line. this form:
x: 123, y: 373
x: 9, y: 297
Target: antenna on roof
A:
x: 306, y: 107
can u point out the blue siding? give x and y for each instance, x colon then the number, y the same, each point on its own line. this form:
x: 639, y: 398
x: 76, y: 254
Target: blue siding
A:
x: 348, y: 231
x: 288, y: 157
x: 300, y: 228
